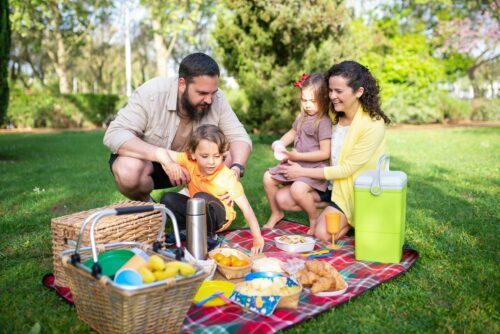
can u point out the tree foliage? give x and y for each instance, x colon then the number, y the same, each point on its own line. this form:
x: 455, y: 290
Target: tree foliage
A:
x: 4, y: 51
x: 267, y: 45
x: 178, y: 27
x: 54, y: 29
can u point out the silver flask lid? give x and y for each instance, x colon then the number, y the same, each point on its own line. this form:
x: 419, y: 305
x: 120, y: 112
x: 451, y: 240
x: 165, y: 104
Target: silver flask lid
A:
x: 196, y: 206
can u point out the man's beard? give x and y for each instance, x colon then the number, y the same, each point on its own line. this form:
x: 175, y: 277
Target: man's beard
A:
x: 190, y: 109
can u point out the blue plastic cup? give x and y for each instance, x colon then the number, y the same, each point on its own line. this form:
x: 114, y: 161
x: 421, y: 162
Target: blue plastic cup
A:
x: 129, y: 277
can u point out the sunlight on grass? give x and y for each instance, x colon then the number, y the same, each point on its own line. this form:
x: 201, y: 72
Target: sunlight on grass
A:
x: 452, y: 220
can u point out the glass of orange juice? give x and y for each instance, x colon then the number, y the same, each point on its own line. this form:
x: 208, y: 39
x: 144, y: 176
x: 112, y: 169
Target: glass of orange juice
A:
x: 333, y: 226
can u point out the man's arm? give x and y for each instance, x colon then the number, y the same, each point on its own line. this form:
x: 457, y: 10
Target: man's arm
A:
x: 240, y: 152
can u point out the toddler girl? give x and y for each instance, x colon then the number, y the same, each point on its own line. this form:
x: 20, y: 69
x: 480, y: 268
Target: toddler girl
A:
x: 311, y: 134
x: 213, y: 181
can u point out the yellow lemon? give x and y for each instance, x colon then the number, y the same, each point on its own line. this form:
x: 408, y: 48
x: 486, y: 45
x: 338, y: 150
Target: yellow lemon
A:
x: 164, y: 274
x: 156, y: 262
x: 186, y: 269
x: 147, y: 275
x: 174, y: 264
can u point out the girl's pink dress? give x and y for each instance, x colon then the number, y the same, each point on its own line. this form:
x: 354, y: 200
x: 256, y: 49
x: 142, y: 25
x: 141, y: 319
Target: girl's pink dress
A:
x: 307, y: 140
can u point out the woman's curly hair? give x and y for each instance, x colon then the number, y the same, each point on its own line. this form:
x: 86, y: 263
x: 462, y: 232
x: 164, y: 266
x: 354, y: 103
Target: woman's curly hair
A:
x: 358, y: 76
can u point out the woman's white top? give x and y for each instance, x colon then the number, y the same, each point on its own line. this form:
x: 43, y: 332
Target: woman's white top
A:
x: 338, y: 136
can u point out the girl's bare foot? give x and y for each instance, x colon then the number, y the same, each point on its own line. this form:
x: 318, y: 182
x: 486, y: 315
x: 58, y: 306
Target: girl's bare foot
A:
x: 310, y: 231
x: 273, y: 220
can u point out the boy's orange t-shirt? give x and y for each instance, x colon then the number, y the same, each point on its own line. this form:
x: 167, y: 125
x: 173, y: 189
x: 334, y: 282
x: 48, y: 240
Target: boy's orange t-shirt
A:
x: 218, y: 184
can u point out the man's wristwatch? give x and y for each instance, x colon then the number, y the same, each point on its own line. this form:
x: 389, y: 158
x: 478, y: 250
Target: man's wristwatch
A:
x: 240, y: 167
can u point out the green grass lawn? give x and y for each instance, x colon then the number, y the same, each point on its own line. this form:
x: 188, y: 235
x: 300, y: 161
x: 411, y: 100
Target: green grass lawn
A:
x: 452, y: 220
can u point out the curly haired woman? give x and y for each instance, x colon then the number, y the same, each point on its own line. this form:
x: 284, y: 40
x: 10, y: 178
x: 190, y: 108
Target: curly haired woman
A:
x: 358, y: 140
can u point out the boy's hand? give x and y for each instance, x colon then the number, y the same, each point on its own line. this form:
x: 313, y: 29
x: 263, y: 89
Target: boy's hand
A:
x: 258, y: 245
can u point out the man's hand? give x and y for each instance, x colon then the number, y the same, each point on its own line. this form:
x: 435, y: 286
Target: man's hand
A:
x: 226, y: 199
x: 236, y: 172
x: 178, y: 175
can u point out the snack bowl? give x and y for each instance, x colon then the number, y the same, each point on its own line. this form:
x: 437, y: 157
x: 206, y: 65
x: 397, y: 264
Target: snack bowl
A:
x: 228, y: 271
x: 284, y: 242
x: 267, y: 291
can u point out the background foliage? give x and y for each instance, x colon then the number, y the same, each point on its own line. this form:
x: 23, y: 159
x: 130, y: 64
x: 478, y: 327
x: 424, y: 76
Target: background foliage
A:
x: 436, y: 61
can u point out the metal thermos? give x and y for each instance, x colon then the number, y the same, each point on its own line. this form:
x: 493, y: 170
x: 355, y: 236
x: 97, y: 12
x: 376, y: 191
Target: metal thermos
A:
x: 196, y: 226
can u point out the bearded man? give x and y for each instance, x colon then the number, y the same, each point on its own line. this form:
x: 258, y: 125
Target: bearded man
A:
x: 161, y: 114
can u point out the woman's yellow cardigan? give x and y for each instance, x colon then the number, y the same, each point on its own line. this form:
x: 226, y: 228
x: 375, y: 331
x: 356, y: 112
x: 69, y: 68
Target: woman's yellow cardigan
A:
x: 363, y: 145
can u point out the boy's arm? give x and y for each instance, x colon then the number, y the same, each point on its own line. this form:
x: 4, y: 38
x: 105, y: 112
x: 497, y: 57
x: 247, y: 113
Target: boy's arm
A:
x: 258, y: 240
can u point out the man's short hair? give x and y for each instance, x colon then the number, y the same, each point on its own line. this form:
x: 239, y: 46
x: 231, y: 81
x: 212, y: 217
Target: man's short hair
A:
x: 197, y: 64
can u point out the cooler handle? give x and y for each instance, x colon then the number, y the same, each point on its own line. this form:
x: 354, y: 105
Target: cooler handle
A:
x: 376, y: 188
x: 96, y: 216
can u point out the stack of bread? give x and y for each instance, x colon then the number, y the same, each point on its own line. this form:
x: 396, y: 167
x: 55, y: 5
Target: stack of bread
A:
x: 321, y: 276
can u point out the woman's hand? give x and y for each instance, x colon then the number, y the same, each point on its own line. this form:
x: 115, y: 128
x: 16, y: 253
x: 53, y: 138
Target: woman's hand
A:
x: 258, y: 245
x: 292, y: 170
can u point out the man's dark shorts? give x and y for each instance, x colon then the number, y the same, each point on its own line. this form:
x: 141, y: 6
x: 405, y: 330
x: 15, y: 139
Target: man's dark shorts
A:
x: 160, y: 178
x: 326, y: 196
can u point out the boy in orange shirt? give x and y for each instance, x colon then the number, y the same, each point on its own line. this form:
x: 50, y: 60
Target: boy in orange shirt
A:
x: 214, y: 182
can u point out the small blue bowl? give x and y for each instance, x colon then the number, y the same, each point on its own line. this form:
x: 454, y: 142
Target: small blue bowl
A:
x: 262, y: 274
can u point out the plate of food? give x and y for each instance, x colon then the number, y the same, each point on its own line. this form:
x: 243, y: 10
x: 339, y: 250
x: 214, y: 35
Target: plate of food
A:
x: 321, y: 279
x: 295, y: 243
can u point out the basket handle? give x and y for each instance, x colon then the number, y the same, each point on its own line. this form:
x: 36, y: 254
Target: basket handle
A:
x: 96, y: 216
x: 376, y: 188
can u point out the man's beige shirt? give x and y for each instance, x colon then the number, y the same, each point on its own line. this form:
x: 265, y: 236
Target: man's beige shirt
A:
x: 151, y: 116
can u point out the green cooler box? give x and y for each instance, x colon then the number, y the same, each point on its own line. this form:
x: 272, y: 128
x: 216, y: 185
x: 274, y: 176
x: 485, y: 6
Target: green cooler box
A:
x: 380, y: 214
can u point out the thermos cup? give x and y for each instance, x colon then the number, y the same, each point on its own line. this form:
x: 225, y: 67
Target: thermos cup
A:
x: 196, y: 226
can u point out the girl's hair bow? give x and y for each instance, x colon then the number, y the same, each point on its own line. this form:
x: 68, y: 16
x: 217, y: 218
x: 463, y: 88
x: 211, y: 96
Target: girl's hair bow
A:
x: 301, y: 81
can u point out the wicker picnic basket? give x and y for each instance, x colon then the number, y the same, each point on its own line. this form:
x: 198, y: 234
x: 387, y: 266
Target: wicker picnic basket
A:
x: 141, y: 227
x: 158, y: 307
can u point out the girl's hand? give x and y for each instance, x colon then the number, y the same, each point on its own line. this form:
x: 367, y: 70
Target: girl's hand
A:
x: 292, y: 155
x: 258, y: 245
x: 291, y: 171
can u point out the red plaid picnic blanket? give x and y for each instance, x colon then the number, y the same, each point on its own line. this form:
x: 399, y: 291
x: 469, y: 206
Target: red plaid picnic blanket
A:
x: 359, y: 275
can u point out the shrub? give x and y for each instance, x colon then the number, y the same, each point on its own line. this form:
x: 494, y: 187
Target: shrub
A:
x: 42, y: 109
x: 96, y: 108
x: 454, y: 109
x: 486, y: 109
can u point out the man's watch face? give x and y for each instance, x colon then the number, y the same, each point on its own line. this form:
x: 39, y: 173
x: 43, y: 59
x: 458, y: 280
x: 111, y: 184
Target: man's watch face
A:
x: 240, y: 167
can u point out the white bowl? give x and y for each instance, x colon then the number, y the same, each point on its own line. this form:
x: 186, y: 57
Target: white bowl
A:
x: 296, y: 248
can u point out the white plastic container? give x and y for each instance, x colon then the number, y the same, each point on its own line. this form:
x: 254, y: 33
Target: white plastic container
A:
x: 306, y: 246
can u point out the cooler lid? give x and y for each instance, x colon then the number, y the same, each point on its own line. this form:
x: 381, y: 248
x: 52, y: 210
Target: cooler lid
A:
x: 394, y: 180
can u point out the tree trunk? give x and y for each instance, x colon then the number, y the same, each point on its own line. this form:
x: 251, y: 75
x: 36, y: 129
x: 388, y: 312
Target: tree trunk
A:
x: 5, y: 44
x: 162, y: 53
x: 60, y: 58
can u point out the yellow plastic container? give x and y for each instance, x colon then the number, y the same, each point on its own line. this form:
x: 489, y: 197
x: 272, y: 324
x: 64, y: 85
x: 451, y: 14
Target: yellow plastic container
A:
x: 380, y: 214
